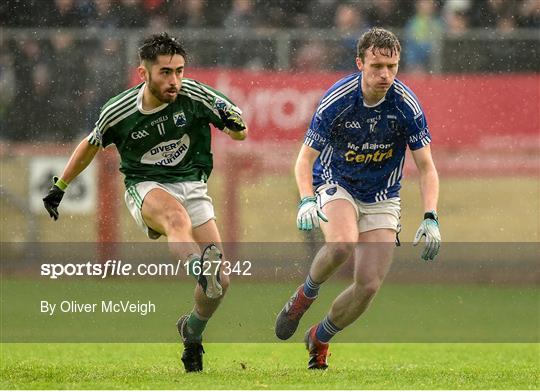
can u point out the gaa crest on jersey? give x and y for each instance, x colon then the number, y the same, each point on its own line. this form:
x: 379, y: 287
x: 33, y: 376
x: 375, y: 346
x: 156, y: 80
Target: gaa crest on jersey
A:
x: 392, y: 122
x: 179, y: 119
x: 393, y: 125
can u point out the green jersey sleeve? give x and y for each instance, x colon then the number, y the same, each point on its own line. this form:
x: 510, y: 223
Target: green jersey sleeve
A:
x: 114, y: 111
x: 210, y: 100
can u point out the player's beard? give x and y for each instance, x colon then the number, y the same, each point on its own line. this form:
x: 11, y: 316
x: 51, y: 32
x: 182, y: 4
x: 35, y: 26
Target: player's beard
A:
x: 156, y: 92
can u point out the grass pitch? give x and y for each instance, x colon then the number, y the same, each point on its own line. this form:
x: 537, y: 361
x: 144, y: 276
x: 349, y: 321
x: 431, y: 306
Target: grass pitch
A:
x: 271, y: 366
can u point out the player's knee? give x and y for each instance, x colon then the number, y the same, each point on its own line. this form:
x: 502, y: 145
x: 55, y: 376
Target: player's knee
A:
x: 341, y: 250
x: 176, y: 221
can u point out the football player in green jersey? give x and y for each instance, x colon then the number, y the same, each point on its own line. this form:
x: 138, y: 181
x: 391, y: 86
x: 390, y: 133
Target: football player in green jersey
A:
x: 161, y: 129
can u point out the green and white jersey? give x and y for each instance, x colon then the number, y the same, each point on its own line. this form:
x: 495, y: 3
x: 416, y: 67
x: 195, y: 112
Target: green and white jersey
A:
x: 168, y: 144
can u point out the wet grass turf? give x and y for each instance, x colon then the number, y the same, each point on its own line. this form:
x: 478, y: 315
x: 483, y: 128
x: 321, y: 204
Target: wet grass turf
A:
x: 271, y: 366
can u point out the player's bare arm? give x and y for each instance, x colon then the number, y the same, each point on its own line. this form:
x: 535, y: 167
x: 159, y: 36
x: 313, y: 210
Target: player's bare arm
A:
x: 429, y: 188
x: 429, y: 179
x: 81, y: 157
x: 303, y: 170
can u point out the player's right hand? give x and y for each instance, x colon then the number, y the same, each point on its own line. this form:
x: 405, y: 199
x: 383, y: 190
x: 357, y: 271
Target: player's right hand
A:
x: 309, y: 214
x: 53, y: 199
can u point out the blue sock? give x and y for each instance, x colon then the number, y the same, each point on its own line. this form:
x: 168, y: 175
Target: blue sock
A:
x: 311, y: 289
x: 326, y: 330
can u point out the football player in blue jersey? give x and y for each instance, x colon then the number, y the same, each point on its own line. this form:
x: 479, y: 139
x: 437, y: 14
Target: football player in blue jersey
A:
x: 348, y: 174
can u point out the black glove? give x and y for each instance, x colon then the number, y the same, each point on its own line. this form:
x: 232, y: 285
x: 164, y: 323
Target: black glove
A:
x: 53, y: 199
x: 231, y: 119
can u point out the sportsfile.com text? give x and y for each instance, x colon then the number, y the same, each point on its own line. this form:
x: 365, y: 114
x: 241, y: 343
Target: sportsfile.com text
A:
x: 119, y: 268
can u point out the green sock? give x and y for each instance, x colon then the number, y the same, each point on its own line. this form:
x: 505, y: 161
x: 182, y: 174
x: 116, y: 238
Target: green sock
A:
x: 195, y: 327
x: 194, y: 261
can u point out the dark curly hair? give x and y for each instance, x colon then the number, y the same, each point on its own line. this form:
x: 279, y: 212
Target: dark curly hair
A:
x: 378, y: 39
x: 160, y: 44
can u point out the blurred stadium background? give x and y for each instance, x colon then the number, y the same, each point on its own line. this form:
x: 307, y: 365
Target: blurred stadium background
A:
x: 474, y: 64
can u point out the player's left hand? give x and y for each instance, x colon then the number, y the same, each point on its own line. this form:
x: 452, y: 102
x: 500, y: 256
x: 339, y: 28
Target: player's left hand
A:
x: 430, y: 229
x: 231, y: 119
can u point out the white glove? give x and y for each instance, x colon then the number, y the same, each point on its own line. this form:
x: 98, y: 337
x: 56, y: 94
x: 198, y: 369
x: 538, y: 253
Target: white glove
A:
x: 430, y: 229
x: 309, y: 214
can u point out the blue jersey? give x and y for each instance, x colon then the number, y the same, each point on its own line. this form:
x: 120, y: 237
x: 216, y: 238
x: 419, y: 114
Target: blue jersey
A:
x: 363, y: 148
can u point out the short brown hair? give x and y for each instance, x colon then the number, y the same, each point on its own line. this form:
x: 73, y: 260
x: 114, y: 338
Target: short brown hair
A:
x: 380, y: 39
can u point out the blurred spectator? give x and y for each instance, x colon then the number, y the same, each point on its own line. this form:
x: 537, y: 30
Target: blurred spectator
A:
x: 282, y: 13
x: 132, y: 14
x: 28, y: 53
x: 421, y: 34
x: 273, y: 17
x: 349, y: 20
x: 349, y: 23
x: 250, y: 52
x: 106, y: 76
x: 506, y: 23
x: 321, y: 13
x: 7, y: 85
x: 456, y: 23
x: 36, y: 112
x: 41, y: 109
x: 456, y: 17
x: 311, y: 57
x: 68, y: 84
x: 241, y: 16
x: 25, y: 13
x: 529, y: 14
x: 103, y: 14
x: 152, y: 6
x: 176, y: 12
x: 388, y: 13
x: 158, y: 22
x: 195, y: 14
x: 66, y: 14
x: 457, y: 6
x: 299, y: 14
x: 488, y: 13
